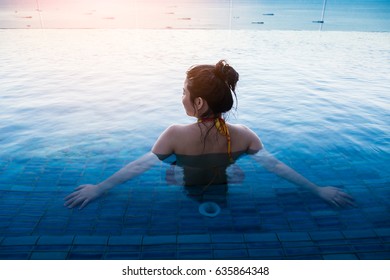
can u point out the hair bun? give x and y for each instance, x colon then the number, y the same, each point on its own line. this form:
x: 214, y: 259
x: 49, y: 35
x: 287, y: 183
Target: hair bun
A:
x: 227, y: 73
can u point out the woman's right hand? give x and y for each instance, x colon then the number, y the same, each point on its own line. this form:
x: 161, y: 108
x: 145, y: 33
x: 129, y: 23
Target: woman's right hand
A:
x: 83, y: 195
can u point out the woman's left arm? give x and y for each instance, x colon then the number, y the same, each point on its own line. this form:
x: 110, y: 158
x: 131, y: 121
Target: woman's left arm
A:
x: 332, y: 195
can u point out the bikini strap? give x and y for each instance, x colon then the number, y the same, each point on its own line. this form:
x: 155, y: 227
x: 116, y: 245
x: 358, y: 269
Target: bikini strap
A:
x: 223, y: 129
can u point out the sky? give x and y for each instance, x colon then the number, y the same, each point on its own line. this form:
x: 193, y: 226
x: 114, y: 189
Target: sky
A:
x: 70, y: 13
x: 185, y: 13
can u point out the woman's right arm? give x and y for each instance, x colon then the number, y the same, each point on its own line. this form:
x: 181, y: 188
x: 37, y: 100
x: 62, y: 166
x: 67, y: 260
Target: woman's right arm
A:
x: 87, y: 193
x: 163, y: 148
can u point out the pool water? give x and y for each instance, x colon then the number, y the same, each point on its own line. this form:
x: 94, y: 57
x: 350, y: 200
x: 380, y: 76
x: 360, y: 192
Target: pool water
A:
x: 77, y: 105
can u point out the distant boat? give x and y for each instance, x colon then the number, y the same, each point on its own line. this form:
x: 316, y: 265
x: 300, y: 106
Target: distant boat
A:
x: 318, y: 21
x: 257, y: 22
x: 269, y: 14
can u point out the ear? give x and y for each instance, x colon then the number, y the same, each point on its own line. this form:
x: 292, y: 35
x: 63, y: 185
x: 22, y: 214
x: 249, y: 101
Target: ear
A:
x: 198, y: 103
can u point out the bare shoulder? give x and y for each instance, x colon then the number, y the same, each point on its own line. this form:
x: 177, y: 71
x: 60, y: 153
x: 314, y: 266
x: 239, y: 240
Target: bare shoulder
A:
x: 173, y: 128
x: 167, y: 141
x: 246, y: 137
x: 172, y: 131
x: 241, y: 129
x: 178, y: 129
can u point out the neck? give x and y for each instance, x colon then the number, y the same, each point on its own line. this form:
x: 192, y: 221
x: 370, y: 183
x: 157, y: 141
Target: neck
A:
x: 209, y: 118
x: 215, y: 120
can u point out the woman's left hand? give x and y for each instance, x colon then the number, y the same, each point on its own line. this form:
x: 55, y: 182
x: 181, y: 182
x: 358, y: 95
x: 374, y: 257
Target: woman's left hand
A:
x: 335, y: 196
x: 83, y: 195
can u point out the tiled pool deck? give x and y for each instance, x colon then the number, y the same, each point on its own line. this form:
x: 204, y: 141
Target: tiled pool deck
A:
x: 146, y: 219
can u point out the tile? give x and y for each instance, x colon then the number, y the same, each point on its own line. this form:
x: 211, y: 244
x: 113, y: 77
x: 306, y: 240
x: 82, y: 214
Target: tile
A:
x: 14, y: 256
x: 53, y: 231
x: 302, y: 251
x: 264, y: 245
x: 291, y: 244
x: 271, y: 227
x: 360, y: 241
x: 52, y: 247
x: 369, y: 248
x: 16, y: 249
x: 306, y: 257
x: 306, y: 226
x: 331, y: 242
x: 374, y: 256
x: 383, y: 232
x: 326, y: 235
x: 334, y: 249
x: 100, y: 230
x: 190, y: 230
x: 228, y: 246
x: 89, y: 248
x: 227, y: 238
x: 260, y: 237
x: 194, y: 238
x: 293, y: 236
x: 158, y: 255
x: 195, y: 255
x: 242, y: 227
x: 23, y: 240
x: 125, y: 240
x: 364, y: 233
x: 55, y: 240
x: 162, y: 230
x: 266, y: 253
x: 163, y: 239
x: 90, y: 240
x: 194, y: 246
x: 230, y: 254
x: 85, y: 256
x: 340, y: 257
x: 48, y: 255
x: 135, y: 231
x: 122, y: 256
x: 124, y: 248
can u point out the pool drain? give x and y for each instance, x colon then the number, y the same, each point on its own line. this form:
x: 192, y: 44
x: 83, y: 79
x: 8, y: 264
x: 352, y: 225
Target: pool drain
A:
x: 209, y: 209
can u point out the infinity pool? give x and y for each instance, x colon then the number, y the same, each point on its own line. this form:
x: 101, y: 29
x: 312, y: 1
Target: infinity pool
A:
x: 77, y: 105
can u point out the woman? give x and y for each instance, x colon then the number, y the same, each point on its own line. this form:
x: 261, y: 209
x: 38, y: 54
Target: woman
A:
x: 207, y: 94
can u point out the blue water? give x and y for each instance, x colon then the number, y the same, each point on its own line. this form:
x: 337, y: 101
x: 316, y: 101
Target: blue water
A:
x: 76, y: 105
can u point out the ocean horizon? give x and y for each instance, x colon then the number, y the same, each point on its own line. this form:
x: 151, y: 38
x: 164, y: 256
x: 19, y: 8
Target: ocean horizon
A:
x: 331, y: 15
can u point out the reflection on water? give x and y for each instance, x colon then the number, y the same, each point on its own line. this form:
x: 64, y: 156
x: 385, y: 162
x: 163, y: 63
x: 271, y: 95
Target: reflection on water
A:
x: 70, y: 92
